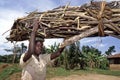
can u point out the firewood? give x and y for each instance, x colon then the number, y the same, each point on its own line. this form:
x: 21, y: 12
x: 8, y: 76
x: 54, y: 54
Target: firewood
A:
x: 71, y: 22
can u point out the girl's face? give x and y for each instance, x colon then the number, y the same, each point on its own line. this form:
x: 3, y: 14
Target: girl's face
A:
x: 38, y: 47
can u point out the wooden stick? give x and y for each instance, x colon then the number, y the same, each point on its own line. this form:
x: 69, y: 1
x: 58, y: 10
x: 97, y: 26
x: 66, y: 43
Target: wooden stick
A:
x: 78, y: 37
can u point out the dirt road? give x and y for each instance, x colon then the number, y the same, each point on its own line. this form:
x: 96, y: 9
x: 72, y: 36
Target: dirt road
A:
x: 87, y: 77
x: 74, y: 77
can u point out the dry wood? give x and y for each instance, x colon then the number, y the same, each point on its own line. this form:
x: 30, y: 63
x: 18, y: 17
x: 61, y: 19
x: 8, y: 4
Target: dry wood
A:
x: 71, y: 22
x: 80, y: 36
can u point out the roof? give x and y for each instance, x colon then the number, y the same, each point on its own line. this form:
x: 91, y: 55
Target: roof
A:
x: 114, y: 56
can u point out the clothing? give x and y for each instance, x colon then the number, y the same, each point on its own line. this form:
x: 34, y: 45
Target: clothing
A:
x: 34, y: 69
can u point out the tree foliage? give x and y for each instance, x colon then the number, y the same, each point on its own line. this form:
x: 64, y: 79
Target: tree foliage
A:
x: 110, y: 50
x: 82, y: 58
x: 72, y: 57
x: 17, y: 50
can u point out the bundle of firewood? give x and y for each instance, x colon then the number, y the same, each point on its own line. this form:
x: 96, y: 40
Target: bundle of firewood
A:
x: 92, y: 19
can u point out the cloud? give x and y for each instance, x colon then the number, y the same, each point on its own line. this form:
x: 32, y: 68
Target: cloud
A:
x: 7, y: 18
x: 107, y: 0
x: 3, y: 46
x: 95, y: 42
x: 98, y: 45
x: 113, y: 0
x: 49, y: 42
x: 42, y: 5
x: 10, y: 10
x: 88, y: 40
x: 2, y: 2
x: 72, y: 2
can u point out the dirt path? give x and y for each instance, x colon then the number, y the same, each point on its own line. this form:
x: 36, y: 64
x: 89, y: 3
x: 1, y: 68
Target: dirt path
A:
x: 87, y: 77
x: 17, y: 76
x: 92, y: 76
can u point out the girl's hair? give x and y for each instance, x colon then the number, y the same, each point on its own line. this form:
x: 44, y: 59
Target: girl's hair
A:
x: 38, y: 39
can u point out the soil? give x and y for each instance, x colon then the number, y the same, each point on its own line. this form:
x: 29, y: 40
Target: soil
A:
x: 87, y: 77
x: 17, y: 76
x: 3, y: 66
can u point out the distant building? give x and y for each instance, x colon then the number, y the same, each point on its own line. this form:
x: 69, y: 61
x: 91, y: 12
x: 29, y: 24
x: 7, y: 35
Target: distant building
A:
x: 114, y: 61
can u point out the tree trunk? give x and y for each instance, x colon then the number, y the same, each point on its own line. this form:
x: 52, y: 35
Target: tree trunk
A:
x: 14, y: 57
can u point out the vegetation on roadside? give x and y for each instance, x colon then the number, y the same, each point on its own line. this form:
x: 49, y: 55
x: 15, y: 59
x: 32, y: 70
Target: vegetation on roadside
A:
x: 73, y: 60
x: 9, y: 70
x: 75, y: 57
x: 72, y: 57
x: 59, y: 71
x: 107, y: 72
x: 56, y: 71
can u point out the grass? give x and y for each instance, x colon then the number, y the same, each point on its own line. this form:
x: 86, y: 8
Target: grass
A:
x: 107, y: 72
x: 9, y: 71
x: 54, y: 72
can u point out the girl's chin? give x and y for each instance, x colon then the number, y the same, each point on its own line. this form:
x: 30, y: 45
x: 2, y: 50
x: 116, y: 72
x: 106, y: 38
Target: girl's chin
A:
x: 38, y: 53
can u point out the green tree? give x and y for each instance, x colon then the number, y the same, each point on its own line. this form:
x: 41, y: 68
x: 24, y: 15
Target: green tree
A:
x: 93, y: 58
x: 53, y: 48
x: 110, y: 50
x: 65, y: 59
x: 17, y: 50
x: 72, y: 55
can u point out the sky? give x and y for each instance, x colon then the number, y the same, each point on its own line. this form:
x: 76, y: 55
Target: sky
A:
x: 10, y: 10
